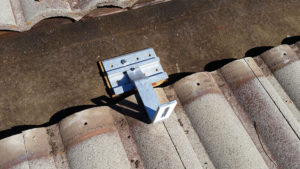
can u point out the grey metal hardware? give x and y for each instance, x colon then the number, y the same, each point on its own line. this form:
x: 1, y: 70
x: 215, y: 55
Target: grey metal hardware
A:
x: 139, y: 70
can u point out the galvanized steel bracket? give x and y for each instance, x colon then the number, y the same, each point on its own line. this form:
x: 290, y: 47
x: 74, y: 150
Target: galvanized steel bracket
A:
x: 139, y: 70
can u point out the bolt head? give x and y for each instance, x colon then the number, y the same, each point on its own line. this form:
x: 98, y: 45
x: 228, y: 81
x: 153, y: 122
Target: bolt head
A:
x: 123, y: 61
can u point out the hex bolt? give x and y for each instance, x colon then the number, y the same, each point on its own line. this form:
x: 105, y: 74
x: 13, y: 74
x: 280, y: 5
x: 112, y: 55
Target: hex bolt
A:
x: 123, y: 61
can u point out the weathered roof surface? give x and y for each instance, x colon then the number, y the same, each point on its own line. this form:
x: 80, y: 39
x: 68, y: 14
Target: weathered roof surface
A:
x: 21, y: 15
x: 244, y: 115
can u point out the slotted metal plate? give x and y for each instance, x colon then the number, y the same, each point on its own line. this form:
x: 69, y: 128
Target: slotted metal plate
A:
x: 146, y: 60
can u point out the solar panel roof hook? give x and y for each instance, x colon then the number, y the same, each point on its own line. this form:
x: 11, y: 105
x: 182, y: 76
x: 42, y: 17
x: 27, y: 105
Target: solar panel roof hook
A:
x: 139, y: 70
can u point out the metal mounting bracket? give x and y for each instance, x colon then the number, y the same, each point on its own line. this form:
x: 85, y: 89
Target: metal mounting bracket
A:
x: 139, y: 70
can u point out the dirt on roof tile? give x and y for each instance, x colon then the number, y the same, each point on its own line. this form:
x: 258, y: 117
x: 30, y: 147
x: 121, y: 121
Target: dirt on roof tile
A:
x: 22, y: 15
x: 243, y: 115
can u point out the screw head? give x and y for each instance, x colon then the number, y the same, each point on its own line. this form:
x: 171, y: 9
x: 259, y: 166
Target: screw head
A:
x: 123, y: 61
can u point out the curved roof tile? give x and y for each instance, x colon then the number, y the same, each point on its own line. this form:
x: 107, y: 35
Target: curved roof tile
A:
x: 244, y: 115
x: 21, y: 15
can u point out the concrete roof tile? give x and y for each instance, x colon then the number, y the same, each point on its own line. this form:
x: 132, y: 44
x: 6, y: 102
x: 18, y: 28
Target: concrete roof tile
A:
x: 6, y: 13
x: 253, y: 92
x: 192, y: 136
x: 38, y: 149
x: 154, y: 143
x: 92, y: 141
x: 284, y: 63
x: 223, y: 135
x: 21, y: 15
x: 244, y: 115
x: 13, y: 153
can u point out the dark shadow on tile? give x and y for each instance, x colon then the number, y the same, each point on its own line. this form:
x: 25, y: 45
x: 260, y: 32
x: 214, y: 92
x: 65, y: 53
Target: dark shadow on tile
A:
x: 125, y: 107
x: 119, y: 104
x: 16, y: 130
x: 215, y: 65
x: 175, y: 77
x: 257, y: 51
x: 290, y: 40
x: 57, y: 117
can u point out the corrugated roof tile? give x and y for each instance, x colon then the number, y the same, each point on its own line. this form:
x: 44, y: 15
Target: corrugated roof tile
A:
x: 21, y: 15
x: 284, y: 64
x: 252, y: 90
x: 244, y: 115
x: 219, y: 129
x: 91, y: 140
x: 13, y: 153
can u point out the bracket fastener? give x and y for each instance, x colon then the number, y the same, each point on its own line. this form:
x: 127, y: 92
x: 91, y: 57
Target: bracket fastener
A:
x: 139, y: 70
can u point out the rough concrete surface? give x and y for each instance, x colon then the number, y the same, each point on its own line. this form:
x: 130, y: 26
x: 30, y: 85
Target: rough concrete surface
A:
x: 50, y: 71
x: 220, y: 137
x: 234, y: 119
x: 21, y: 15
